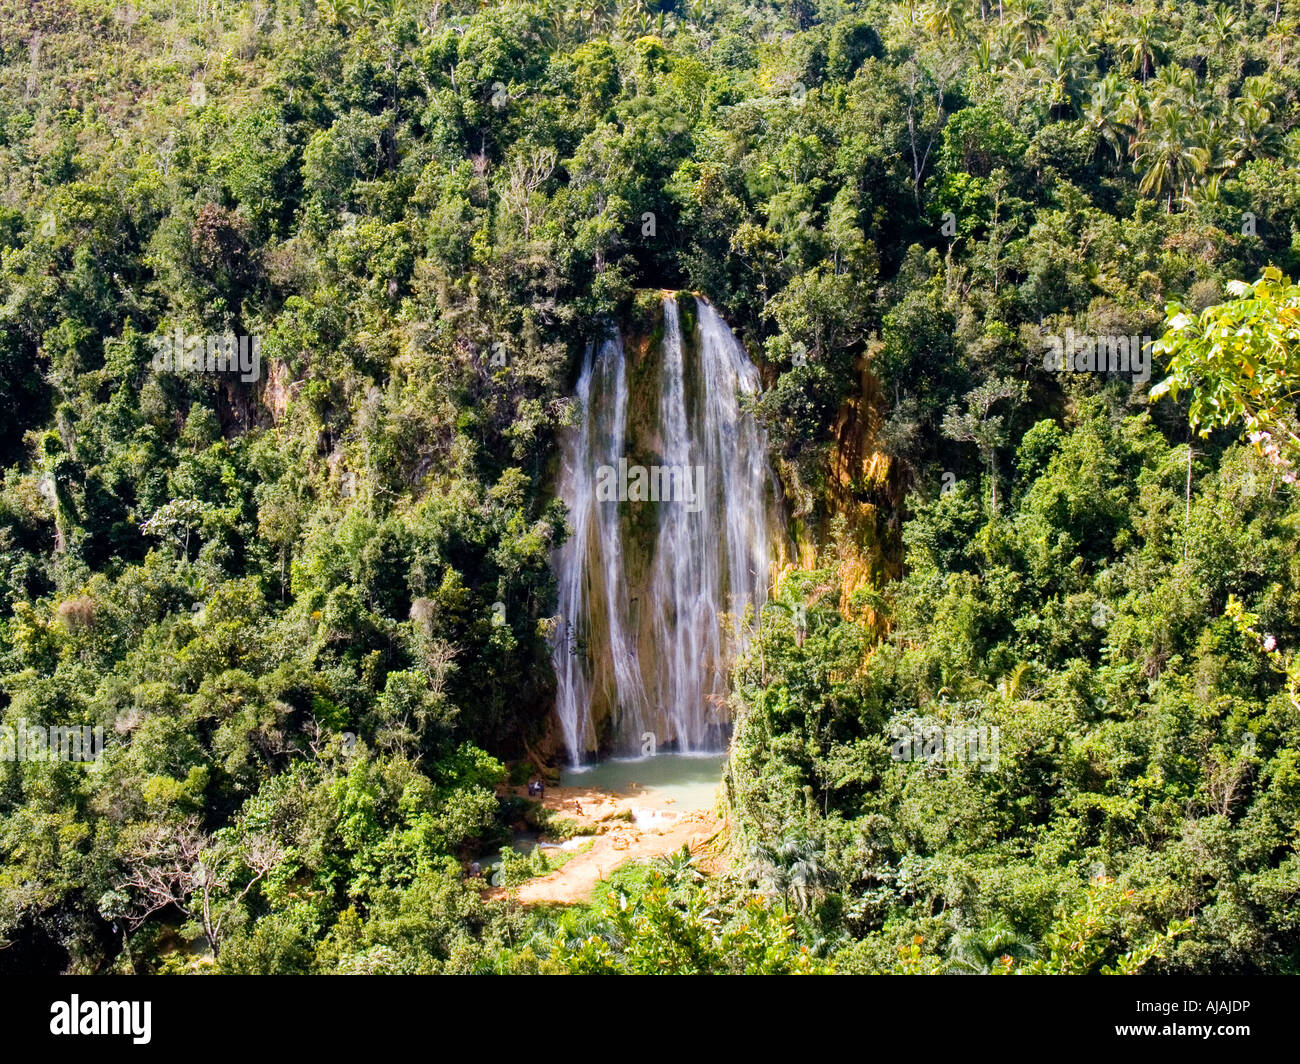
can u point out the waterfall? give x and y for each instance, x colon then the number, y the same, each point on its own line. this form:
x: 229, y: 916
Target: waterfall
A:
x: 668, y: 491
x: 597, y: 441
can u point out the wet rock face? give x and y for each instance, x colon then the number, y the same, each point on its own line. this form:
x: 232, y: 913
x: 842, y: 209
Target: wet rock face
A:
x: 672, y: 504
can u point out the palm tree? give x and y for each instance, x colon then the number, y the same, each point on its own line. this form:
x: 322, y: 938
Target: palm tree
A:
x: 1064, y: 63
x: 1133, y: 113
x: 1012, y: 685
x: 1028, y: 24
x: 1225, y: 28
x: 664, y: 24
x: 633, y: 17
x: 975, y: 952
x: 1145, y: 45
x: 1210, y: 134
x: 335, y: 12
x: 1104, y: 111
x: 596, y: 13
x: 1020, y: 82
x: 571, y: 929
x: 1209, y: 191
x: 1172, y: 84
x: 947, y: 18
x: 1254, y: 134
x: 793, y: 868
x: 679, y: 869
x: 1167, y: 157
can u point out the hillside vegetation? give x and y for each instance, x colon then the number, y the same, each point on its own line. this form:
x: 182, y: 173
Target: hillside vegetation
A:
x: 276, y: 591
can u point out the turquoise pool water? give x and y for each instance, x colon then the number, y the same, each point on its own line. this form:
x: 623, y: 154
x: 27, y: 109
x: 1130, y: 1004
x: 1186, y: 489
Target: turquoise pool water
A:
x: 691, y: 780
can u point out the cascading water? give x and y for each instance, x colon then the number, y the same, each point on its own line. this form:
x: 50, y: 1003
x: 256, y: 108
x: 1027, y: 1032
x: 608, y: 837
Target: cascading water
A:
x: 591, y: 594
x: 669, y: 510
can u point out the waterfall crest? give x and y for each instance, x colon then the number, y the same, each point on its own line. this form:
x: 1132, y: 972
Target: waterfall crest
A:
x: 670, y: 496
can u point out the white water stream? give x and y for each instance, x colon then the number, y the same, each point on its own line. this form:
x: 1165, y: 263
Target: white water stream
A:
x: 642, y: 654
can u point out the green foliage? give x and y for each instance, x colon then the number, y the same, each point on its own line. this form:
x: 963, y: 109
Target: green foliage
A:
x: 277, y: 597
x: 655, y: 935
x: 1080, y: 940
x: 1145, y: 723
x: 1240, y: 360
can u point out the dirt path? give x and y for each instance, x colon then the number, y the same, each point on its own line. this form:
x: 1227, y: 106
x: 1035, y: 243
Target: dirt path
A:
x: 658, y: 829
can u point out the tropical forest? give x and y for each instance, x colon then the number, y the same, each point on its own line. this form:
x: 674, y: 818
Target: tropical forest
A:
x: 649, y: 487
